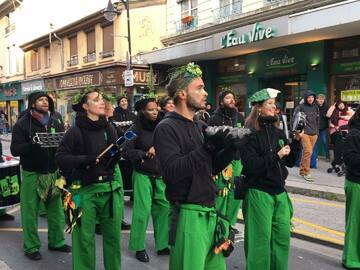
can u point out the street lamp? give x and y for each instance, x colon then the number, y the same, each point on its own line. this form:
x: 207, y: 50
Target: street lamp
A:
x: 110, y: 14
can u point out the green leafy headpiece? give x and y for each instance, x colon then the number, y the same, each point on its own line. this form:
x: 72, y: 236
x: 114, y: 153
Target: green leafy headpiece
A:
x: 80, y: 98
x: 263, y: 95
x: 141, y: 103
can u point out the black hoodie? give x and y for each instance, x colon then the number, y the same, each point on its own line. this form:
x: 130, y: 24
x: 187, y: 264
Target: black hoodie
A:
x: 185, y: 163
x: 226, y: 117
x: 33, y: 158
x: 312, y: 114
x: 352, y: 151
x: 263, y: 168
x: 123, y: 116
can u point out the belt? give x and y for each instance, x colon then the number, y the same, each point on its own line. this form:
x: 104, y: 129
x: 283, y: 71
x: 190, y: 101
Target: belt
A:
x: 105, y: 178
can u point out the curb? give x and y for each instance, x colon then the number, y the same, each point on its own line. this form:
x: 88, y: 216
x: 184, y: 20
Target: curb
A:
x: 332, y: 196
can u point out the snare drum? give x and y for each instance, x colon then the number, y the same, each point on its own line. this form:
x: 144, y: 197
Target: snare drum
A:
x: 10, y: 181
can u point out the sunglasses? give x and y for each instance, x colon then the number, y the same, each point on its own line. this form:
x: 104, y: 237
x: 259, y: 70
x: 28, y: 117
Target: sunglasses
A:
x: 128, y: 136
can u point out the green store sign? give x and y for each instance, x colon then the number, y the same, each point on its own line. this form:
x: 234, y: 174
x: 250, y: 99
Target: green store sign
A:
x: 350, y: 95
x: 281, y: 59
x: 346, y: 67
x: 257, y: 33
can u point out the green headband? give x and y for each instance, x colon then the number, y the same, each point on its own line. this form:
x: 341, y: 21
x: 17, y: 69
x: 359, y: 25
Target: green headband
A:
x: 187, y: 72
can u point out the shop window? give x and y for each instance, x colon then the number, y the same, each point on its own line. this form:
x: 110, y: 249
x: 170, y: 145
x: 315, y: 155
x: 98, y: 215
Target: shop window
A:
x: 35, y: 60
x: 233, y: 65
x: 345, y: 49
x: 108, y: 41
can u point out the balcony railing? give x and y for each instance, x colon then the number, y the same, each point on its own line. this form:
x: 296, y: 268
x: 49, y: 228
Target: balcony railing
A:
x: 73, y: 61
x: 90, y: 57
x: 107, y: 54
x: 227, y: 11
x: 10, y: 28
x: 187, y: 23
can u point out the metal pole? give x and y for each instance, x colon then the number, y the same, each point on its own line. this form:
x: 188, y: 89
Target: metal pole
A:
x: 126, y: 3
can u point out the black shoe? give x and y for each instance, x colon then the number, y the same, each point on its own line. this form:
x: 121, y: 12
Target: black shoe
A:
x: 125, y: 226
x: 165, y: 251
x: 142, y: 256
x: 98, y: 229
x: 6, y: 217
x: 35, y: 256
x: 64, y: 248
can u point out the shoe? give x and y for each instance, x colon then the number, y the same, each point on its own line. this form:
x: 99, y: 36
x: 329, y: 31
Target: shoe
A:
x: 236, y: 231
x: 64, y: 248
x: 308, y: 177
x: 165, y: 251
x: 125, y: 226
x: 6, y: 217
x: 349, y: 268
x: 98, y: 229
x: 142, y: 256
x: 301, y: 174
x: 35, y: 256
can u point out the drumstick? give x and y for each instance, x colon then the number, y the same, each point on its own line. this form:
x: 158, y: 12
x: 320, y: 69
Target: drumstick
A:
x: 104, y: 152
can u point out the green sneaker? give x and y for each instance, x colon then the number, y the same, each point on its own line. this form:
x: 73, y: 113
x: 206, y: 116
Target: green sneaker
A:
x: 308, y: 178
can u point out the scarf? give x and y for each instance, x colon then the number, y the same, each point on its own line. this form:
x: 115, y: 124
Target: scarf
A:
x: 43, y: 118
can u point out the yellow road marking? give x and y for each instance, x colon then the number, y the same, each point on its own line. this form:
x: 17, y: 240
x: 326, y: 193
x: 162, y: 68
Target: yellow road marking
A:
x: 319, y: 203
x: 322, y: 228
x: 319, y: 236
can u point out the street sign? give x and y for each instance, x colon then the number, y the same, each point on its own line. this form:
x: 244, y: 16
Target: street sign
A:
x: 128, y: 78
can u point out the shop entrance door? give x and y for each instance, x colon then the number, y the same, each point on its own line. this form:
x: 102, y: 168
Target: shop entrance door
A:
x: 292, y: 90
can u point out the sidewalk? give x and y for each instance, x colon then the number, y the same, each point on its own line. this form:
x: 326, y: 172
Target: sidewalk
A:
x: 326, y: 185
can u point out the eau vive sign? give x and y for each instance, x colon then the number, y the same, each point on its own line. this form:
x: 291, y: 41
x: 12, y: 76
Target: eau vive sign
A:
x: 257, y: 33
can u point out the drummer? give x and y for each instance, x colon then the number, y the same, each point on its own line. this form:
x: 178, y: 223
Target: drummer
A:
x: 39, y: 173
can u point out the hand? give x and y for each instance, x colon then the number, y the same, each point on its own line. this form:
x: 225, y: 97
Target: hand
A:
x: 298, y: 136
x: 284, y: 151
x: 218, y: 140
x: 151, y: 152
x: 91, y: 160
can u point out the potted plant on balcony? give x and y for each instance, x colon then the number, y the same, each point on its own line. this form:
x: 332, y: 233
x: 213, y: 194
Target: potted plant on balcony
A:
x: 187, y: 19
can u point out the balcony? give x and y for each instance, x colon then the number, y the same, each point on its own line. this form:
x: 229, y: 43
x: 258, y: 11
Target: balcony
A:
x: 186, y: 23
x: 9, y: 29
x: 73, y: 61
x: 107, y: 54
x: 90, y: 57
x: 224, y: 13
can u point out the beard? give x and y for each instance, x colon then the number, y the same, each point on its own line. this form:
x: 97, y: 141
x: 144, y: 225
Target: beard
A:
x: 41, y: 110
x: 193, y: 105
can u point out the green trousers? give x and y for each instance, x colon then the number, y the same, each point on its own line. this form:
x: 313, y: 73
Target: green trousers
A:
x: 195, y: 237
x: 226, y: 203
x: 267, y: 230
x: 351, y: 253
x: 95, y: 207
x: 149, y: 198
x: 29, y: 204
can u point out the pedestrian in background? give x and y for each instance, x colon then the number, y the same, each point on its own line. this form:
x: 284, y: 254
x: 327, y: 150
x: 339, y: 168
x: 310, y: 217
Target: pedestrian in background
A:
x: 339, y: 115
x: 311, y: 131
x: 166, y: 104
x: 323, y: 124
x: 351, y: 252
x: 39, y: 172
x: 267, y: 208
x: 92, y: 179
x: 149, y: 187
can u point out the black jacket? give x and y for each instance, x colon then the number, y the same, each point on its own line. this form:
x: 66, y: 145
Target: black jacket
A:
x: 312, y: 114
x: 221, y: 117
x: 263, y: 168
x: 136, y: 150
x: 324, y: 121
x: 34, y: 158
x: 79, y: 148
x: 185, y: 163
x: 125, y: 118
x: 352, y: 152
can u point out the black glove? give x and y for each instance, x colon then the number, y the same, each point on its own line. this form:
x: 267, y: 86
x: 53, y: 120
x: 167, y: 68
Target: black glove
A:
x: 214, y: 141
x: 90, y: 160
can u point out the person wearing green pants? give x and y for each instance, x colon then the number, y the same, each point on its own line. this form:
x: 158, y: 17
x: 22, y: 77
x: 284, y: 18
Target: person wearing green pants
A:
x: 39, y: 172
x: 149, y: 188
x: 267, y: 209
x: 351, y: 252
x: 188, y: 159
x: 82, y: 158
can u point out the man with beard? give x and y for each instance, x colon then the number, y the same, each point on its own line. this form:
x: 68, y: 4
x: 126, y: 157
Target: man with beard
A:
x: 39, y: 173
x: 227, y: 114
x: 188, y: 159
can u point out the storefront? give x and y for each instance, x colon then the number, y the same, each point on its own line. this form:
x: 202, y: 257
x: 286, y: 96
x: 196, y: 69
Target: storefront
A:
x: 345, y: 70
x: 11, y: 102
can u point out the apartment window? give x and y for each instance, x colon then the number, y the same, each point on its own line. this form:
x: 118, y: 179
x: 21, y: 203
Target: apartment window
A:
x: 73, y: 51
x: 108, y: 41
x: 47, y: 57
x: 90, y: 43
x: 189, y: 8
x: 35, y: 60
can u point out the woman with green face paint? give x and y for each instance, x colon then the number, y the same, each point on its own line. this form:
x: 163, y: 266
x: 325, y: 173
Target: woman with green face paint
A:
x: 92, y: 180
x: 267, y: 208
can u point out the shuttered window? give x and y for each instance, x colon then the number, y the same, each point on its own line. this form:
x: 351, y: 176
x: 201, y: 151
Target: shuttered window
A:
x: 91, y: 42
x: 108, y: 38
x: 35, y: 60
x: 73, y: 46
